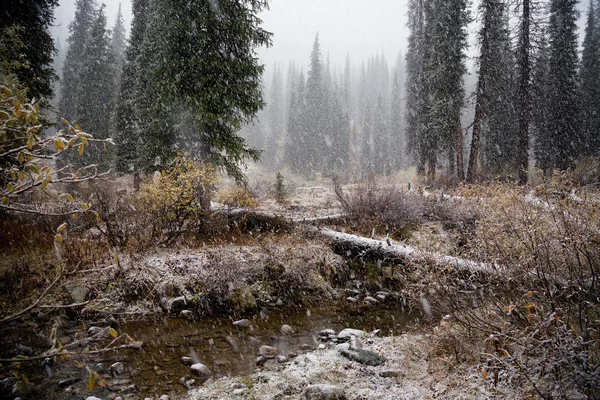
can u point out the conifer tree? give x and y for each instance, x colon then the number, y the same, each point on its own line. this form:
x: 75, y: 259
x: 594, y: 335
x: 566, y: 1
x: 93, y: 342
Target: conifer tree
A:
x: 314, y: 117
x: 493, y: 37
x: 276, y: 116
x: 95, y: 95
x: 415, y: 94
x: 297, y: 144
x: 126, y: 120
x: 199, y: 80
x: 119, y: 44
x: 33, y: 18
x: 590, y: 83
x: 79, y: 28
x: 539, y: 93
x: 397, y: 143
x: 562, y: 140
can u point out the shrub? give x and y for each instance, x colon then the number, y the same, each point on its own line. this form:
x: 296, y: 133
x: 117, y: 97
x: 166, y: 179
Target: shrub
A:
x: 280, y: 190
x: 178, y: 200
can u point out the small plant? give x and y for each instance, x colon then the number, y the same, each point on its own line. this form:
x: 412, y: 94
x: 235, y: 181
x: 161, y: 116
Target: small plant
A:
x: 280, y: 190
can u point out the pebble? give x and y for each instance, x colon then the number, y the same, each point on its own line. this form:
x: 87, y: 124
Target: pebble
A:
x: 239, y: 392
x: 279, y: 303
x: 281, y: 359
x: 164, y: 397
x: 187, y: 314
x: 187, y: 360
x: 117, y: 369
x: 322, y: 346
x: 94, y: 330
x: 268, y: 351
x: 390, y: 374
x: 242, y: 323
x: 200, y: 370
x: 326, y: 332
x: 324, y: 392
x: 286, y: 330
x: 346, y: 333
x: 352, y: 299
x: 370, y: 300
x: 260, y: 361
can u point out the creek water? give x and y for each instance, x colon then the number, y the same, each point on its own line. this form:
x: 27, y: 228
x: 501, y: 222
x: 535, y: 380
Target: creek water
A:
x: 228, y: 351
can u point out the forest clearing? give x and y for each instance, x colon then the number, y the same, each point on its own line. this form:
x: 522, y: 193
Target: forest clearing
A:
x: 183, y: 217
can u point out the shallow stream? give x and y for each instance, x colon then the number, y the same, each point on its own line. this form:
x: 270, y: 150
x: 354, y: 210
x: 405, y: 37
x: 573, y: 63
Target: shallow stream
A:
x: 228, y: 351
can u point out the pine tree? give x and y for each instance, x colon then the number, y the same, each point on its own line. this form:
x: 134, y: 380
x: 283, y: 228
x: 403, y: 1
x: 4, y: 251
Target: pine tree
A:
x: 127, y: 123
x: 540, y: 114
x: 492, y: 38
x: 443, y: 65
x: 95, y: 95
x: 314, y: 118
x: 79, y: 29
x: 119, y: 44
x: 590, y: 84
x: 397, y: 143
x: 563, y: 140
x: 276, y: 117
x: 33, y: 18
x: 414, y: 83
x: 524, y: 91
x: 200, y: 80
x: 297, y: 144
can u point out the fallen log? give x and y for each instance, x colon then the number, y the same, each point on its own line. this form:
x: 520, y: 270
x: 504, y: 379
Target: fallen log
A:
x: 388, y: 250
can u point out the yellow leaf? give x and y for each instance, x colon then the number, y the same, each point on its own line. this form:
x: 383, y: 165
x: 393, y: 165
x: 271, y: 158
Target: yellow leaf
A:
x: 64, y: 121
x: 30, y: 143
x: 484, y: 374
x: 59, y: 144
x: 58, y: 238
x: 83, y: 140
x: 87, y: 349
x: 62, y: 227
x: 80, y: 149
x: 5, y: 201
x: 21, y: 157
x: 97, y: 214
x: 84, y: 207
x: 91, y: 383
x: 71, y: 143
x: 69, y: 198
x: 60, y: 346
x: 74, y: 217
x: 77, y: 126
x: 21, y: 175
x: 113, y: 332
x: 25, y: 379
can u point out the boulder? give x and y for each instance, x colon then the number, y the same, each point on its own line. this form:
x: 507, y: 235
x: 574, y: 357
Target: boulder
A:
x: 77, y: 293
x: 324, y: 392
x: 326, y: 332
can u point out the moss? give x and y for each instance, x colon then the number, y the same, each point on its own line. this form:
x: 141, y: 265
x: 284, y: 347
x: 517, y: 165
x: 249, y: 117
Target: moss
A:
x: 241, y: 300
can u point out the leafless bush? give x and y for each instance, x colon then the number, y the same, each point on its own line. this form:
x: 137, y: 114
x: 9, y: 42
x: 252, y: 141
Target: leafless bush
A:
x: 542, y: 325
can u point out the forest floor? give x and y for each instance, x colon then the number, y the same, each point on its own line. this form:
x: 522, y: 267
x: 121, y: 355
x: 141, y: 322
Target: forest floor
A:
x: 250, y: 274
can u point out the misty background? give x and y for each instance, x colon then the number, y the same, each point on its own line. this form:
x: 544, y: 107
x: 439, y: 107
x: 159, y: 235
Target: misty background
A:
x: 346, y: 27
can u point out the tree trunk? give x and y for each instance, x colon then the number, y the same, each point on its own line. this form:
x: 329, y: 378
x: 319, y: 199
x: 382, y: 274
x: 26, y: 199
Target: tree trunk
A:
x: 477, y: 125
x: 460, y: 166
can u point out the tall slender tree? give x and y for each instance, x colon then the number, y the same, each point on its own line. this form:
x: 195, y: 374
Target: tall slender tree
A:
x: 127, y: 122
x: 590, y: 83
x: 119, y: 44
x: 562, y: 140
x: 314, y: 119
x: 95, y: 97
x: 85, y: 14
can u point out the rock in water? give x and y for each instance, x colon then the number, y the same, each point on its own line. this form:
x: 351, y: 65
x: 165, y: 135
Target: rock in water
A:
x: 187, y: 360
x: 324, y: 392
x: 201, y: 370
x: 363, y: 357
x: 242, y: 323
x: 268, y: 351
x: 346, y: 333
x: 286, y: 330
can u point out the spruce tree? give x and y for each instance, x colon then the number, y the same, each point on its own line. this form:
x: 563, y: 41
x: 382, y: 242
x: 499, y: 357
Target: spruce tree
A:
x: 443, y: 65
x: 590, y: 84
x: 33, y: 18
x: 200, y: 80
x: 563, y: 140
x: 79, y: 29
x: 414, y: 83
x: 397, y: 143
x: 119, y: 44
x: 95, y: 95
x: 314, y: 117
x: 126, y: 120
x: 540, y: 122
x: 297, y: 144
x: 276, y: 117
x: 493, y: 36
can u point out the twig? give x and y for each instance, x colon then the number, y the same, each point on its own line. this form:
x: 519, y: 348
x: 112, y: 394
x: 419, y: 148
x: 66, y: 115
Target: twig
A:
x: 64, y: 305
